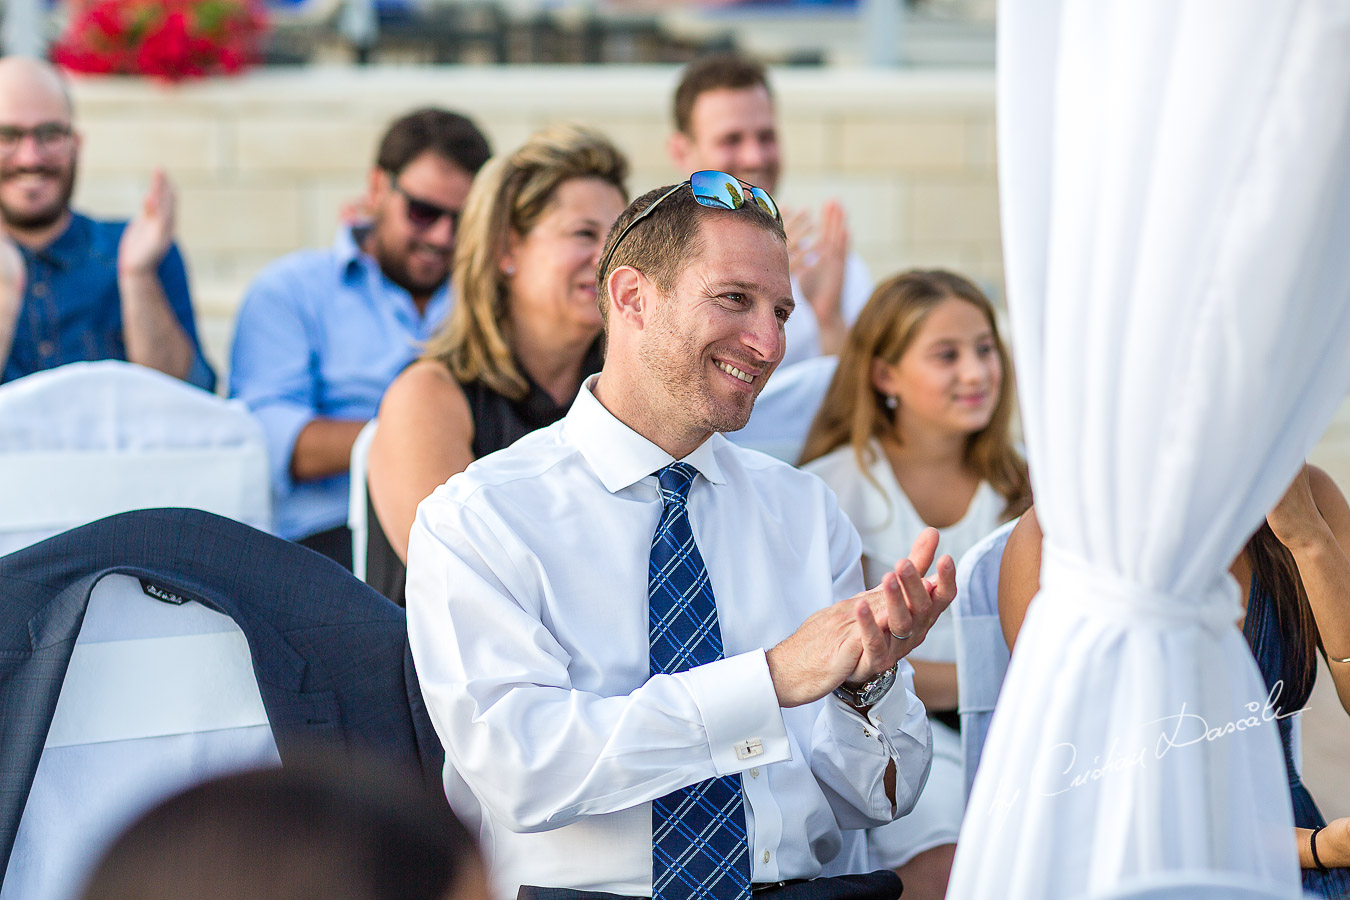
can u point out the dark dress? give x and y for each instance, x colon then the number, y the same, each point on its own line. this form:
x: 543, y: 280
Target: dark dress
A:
x: 1262, y: 631
x: 498, y: 422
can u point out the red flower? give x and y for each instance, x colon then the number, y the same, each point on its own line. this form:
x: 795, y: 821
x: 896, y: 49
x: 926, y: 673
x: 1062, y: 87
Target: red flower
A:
x: 170, y: 39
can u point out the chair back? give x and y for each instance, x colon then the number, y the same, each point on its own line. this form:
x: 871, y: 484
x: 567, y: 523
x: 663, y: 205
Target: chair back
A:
x: 981, y: 652
x: 159, y: 695
x: 88, y: 440
x: 150, y: 650
x: 357, y: 519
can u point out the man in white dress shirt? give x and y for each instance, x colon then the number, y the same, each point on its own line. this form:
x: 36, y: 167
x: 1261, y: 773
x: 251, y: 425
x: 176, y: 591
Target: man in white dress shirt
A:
x: 532, y: 573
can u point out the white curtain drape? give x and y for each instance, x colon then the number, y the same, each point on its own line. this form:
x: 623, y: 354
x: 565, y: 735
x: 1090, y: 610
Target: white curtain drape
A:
x: 1175, y: 180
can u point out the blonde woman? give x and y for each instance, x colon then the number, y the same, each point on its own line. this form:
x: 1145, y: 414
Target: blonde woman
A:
x: 524, y: 331
x: 914, y: 432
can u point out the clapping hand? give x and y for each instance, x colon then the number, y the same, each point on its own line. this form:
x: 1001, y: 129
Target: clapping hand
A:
x: 13, y: 276
x: 148, y: 236
x: 857, y: 639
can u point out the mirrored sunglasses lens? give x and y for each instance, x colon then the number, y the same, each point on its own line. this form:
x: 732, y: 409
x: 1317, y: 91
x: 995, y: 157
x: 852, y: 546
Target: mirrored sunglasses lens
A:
x: 716, y: 189
x: 765, y: 201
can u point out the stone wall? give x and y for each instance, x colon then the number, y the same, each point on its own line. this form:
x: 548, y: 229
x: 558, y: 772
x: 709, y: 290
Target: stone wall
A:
x: 262, y: 163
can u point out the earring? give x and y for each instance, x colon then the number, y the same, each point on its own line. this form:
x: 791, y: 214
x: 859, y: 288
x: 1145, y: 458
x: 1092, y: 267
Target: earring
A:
x: 509, y: 270
x: 892, y: 401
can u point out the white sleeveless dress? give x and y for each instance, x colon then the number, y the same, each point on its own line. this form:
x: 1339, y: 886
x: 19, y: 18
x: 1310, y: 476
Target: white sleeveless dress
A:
x: 888, y: 525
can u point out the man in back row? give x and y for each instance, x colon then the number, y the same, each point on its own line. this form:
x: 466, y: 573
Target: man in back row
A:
x: 627, y: 629
x: 73, y: 288
x: 725, y: 119
x: 322, y: 333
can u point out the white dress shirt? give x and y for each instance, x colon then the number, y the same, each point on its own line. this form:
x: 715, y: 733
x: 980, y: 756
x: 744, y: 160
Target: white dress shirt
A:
x: 527, y: 614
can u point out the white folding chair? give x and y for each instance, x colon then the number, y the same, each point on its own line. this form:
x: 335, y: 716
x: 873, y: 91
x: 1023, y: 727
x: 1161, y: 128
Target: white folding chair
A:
x: 88, y: 440
x: 357, y: 496
x: 981, y: 652
x: 158, y: 696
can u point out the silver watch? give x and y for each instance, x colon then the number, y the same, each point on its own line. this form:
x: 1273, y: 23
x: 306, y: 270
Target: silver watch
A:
x: 869, y: 693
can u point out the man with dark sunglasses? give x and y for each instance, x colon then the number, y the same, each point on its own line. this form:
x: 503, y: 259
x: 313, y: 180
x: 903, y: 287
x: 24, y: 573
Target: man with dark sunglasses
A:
x: 73, y: 288
x: 322, y: 333
x: 648, y: 651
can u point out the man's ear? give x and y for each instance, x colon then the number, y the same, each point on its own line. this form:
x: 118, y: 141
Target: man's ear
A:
x: 681, y: 151
x: 378, y: 185
x: 629, y: 296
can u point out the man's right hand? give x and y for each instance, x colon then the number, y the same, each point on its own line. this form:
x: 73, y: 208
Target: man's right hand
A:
x: 857, y: 639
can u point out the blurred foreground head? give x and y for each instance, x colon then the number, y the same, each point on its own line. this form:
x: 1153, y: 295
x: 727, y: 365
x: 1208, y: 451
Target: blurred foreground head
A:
x: 321, y: 830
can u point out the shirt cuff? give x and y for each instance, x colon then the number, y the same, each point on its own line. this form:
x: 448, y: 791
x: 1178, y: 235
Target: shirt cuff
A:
x: 740, y: 712
x: 282, y: 424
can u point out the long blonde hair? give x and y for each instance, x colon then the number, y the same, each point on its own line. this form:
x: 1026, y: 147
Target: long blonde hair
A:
x: 508, y: 197
x: 854, y: 411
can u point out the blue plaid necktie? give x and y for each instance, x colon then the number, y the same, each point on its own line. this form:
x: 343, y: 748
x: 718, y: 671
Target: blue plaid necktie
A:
x: 699, y: 845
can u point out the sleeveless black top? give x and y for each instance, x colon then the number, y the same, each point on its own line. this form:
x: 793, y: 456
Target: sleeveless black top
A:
x: 498, y: 422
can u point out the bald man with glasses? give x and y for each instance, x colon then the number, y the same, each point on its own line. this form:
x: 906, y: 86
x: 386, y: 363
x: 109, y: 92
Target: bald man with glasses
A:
x: 322, y: 333
x: 74, y: 288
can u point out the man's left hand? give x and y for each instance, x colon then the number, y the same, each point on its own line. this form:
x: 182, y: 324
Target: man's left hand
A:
x: 148, y: 236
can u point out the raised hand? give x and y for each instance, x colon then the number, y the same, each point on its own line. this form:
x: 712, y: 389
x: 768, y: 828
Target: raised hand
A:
x: 822, y: 275
x: 148, y: 236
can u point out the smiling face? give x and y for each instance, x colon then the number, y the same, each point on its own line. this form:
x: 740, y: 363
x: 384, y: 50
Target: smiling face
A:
x: 947, y: 381
x: 414, y: 257
x: 707, y: 347
x: 732, y: 130
x: 37, y: 173
x: 552, y: 280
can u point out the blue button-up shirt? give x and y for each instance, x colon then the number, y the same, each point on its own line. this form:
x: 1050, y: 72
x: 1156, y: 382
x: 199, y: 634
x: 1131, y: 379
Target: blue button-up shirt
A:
x: 321, y: 334
x: 72, y: 308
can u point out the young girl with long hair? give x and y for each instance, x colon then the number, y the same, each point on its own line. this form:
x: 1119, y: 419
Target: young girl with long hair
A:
x: 914, y: 431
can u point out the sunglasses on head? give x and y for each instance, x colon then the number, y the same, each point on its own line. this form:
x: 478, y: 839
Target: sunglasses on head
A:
x: 422, y: 214
x: 713, y: 189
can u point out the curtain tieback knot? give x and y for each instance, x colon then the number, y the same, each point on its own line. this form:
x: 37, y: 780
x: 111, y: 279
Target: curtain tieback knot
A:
x: 1088, y: 590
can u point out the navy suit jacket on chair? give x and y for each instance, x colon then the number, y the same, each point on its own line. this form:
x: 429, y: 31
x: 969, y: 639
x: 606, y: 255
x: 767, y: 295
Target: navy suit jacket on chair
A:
x: 330, y: 654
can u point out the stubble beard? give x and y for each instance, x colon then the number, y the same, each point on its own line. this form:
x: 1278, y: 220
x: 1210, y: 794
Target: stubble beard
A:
x: 45, y: 216
x: 683, y: 386
x: 393, y: 262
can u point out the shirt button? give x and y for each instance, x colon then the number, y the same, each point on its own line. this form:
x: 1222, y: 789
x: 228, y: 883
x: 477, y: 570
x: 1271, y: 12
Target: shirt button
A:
x: 866, y: 733
x: 766, y: 855
x: 40, y: 289
x: 46, y: 348
x: 754, y: 773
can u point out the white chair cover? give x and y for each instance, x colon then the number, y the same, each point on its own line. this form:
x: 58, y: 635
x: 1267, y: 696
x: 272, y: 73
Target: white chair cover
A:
x: 158, y: 697
x: 356, y: 502
x: 1196, y: 886
x: 981, y: 651
x: 88, y: 440
x: 1175, y: 181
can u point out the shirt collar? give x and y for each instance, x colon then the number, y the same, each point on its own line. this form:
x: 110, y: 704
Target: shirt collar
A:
x: 619, y: 456
x: 69, y: 244
x: 347, y: 253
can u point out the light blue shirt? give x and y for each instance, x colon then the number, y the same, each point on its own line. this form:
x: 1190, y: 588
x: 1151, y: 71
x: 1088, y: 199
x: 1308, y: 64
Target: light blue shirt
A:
x: 321, y: 334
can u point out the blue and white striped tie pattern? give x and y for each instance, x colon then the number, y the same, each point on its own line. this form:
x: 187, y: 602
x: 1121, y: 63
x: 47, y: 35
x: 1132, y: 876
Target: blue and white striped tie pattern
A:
x: 699, y: 844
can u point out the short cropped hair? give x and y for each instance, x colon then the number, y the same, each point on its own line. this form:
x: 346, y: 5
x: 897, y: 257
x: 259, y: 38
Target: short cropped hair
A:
x: 320, y: 828
x: 666, y: 242
x: 444, y: 133
x: 725, y: 71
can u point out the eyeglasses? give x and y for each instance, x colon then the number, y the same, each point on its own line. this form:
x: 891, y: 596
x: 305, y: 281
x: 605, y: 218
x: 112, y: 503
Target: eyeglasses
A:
x: 422, y: 214
x: 47, y: 136
x: 713, y: 189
